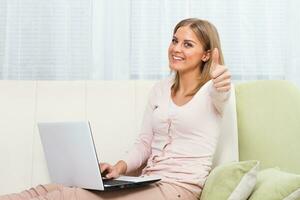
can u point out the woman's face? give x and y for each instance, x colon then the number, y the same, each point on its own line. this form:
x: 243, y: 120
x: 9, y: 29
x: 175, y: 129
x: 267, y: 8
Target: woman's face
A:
x: 185, y: 51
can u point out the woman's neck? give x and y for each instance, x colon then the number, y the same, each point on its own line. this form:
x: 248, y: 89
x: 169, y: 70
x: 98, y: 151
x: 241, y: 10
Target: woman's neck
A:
x: 187, y: 83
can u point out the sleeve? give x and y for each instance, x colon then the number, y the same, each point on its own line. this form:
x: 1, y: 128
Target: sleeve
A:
x: 219, y: 99
x: 141, y: 149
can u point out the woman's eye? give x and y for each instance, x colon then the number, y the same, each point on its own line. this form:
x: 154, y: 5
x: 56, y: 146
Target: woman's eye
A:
x: 174, y: 41
x: 188, y: 45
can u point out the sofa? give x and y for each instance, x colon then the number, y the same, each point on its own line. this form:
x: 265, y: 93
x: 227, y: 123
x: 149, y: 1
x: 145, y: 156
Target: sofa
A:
x: 268, y: 119
x: 251, y: 127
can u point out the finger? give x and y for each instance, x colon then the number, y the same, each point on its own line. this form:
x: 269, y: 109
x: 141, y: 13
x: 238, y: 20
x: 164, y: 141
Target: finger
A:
x: 223, y: 83
x: 220, y: 69
x: 224, y: 89
x: 215, y: 57
x: 104, y: 167
x: 224, y: 76
x: 112, y: 174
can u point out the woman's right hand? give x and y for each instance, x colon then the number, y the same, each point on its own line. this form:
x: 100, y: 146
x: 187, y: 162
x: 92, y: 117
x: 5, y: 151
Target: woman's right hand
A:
x: 115, y: 171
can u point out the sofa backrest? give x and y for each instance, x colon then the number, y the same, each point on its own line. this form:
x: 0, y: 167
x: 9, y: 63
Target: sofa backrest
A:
x: 114, y: 108
x: 268, y: 115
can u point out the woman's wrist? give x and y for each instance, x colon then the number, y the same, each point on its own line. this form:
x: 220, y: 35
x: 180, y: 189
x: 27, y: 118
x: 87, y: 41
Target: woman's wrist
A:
x: 121, y: 166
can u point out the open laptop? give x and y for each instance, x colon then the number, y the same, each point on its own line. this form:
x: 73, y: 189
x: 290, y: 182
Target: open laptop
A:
x: 72, y: 159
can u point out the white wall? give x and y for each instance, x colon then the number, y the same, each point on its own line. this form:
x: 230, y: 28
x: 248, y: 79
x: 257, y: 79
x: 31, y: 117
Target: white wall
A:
x: 114, y: 108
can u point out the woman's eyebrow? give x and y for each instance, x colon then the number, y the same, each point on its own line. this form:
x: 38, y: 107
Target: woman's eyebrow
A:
x: 192, y: 41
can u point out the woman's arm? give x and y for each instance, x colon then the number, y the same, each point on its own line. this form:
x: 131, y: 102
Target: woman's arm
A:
x: 141, y: 149
x: 221, y: 82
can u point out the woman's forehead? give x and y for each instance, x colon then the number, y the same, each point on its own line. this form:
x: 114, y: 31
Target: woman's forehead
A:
x: 186, y: 33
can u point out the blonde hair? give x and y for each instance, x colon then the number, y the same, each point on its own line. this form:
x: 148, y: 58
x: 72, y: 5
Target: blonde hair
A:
x: 209, y: 38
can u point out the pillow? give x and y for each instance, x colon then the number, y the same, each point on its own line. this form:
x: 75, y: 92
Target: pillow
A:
x: 275, y: 184
x: 231, y: 181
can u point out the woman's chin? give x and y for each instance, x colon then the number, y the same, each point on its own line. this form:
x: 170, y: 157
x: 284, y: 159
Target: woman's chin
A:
x: 175, y: 67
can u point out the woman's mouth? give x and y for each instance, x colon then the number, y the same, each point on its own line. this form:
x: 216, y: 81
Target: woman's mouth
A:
x: 177, y: 58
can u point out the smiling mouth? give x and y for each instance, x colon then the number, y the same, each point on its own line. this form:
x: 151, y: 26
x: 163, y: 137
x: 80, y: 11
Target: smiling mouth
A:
x: 177, y: 58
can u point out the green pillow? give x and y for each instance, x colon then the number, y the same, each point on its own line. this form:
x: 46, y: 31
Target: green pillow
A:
x: 232, y: 181
x: 275, y: 184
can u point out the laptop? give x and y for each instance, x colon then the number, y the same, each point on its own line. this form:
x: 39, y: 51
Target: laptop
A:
x: 72, y: 159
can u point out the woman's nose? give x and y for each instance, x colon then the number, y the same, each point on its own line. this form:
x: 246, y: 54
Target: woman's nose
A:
x: 177, y: 47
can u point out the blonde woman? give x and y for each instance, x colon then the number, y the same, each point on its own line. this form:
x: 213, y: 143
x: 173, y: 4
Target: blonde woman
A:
x: 180, y: 128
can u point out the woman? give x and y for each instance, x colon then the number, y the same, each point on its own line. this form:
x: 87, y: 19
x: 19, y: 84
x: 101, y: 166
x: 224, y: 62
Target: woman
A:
x: 180, y: 127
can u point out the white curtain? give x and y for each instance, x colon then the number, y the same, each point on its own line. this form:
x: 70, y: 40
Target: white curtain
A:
x: 128, y: 39
x: 45, y: 39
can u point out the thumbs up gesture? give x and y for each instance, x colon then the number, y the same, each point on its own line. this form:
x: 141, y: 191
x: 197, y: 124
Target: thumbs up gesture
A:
x: 219, y: 74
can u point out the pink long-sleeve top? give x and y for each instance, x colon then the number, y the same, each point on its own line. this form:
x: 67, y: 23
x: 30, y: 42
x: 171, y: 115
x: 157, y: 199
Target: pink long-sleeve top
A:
x: 178, y: 142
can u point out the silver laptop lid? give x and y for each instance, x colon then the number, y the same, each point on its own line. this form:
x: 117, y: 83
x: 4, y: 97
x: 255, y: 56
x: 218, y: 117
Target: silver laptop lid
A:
x: 70, y: 154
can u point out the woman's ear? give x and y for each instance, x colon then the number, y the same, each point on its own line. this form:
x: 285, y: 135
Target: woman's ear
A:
x: 206, y: 56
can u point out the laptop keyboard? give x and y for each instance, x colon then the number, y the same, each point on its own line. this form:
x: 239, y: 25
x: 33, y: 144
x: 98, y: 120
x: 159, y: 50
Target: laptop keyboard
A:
x: 109, y: 182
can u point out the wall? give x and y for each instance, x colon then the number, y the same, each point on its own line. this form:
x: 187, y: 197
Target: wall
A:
x: 114, y: 108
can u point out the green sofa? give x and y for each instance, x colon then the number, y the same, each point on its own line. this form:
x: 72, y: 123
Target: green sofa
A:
x: 268, y: 121
x: 268, y: 118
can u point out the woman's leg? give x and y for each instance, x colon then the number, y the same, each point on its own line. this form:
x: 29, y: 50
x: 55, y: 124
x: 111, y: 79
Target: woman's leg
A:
x: 158, y: 191
x: 40, y: 190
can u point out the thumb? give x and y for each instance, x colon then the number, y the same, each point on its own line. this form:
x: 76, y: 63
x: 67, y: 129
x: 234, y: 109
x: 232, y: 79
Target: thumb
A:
x: 215, y: 57
x: 215, y: 61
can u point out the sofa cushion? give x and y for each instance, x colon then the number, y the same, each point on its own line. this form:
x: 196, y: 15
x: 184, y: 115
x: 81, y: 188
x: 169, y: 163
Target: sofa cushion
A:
x: 232, y: 181
x: 273, y: 184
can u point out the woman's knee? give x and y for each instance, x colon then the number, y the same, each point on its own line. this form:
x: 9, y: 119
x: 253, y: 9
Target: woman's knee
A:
x: 50, y: 187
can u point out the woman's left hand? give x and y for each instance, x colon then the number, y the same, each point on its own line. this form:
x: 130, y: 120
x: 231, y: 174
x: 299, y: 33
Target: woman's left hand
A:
x: 220, y: 75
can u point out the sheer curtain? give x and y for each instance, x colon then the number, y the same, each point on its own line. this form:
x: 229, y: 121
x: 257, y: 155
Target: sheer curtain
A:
x: 45, y: 39
x: 259, y: 38
x: 128, y: 39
